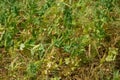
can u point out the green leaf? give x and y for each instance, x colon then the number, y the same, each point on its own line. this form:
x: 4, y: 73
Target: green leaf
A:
x: 112, y: 54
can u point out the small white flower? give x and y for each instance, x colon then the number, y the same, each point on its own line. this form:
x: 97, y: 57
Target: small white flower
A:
x: 22, y: 46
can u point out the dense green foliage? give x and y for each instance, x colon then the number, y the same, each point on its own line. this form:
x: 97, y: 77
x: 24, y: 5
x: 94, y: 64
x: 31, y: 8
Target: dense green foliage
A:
x: 59, y: 39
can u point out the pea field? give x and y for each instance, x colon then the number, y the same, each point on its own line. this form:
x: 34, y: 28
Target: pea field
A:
x: 59, y: 39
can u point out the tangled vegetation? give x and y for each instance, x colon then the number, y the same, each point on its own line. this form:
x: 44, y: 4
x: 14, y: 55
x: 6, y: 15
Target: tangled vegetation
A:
x: 59, y: 39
